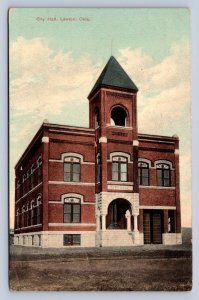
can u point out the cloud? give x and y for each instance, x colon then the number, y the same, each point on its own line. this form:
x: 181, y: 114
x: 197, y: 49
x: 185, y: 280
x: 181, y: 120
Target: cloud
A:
x: 45, y: 83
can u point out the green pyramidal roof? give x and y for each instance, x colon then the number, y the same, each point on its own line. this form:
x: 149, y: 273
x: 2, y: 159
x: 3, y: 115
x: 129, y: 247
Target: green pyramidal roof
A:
x: 114, y: 75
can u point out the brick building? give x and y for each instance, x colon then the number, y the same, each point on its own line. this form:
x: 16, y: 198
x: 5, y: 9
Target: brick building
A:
x: 106, y: 185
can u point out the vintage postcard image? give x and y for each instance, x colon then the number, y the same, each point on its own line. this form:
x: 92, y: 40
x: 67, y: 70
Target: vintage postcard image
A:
x: 100, y: 149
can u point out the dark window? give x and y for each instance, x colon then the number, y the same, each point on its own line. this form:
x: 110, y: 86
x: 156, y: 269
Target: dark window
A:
x: 32, y: 215
x: 17, y: 219
x: 119, y: 169
x: 143, y: 173
x: 32, y: 180
x: 98, y: 168
x: 97, y: 118
x: 163, y: 175
x: 39, y: 213
x: 72, y: 170
x: 72, y: 213
x: 118, y: 116
x: 39, y: 174
x: 71, y: 239
x: 171, y: 221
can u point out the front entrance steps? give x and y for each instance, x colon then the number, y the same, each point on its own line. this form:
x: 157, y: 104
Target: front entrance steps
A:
x: 117, y: 237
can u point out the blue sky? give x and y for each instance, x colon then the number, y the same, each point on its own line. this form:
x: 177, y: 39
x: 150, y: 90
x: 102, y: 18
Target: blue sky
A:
x: 54, y: 64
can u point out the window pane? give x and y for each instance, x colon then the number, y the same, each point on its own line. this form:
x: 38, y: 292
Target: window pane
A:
x: 166, y: 173
x: 67, y: 239
x: 67, y: 218
x: 76, y: 208
x: 67, y: 208
x: 67, y: 167
x: 66, y: 176
x: 123, y: 176
x: 145, y: 181
x: 115, y: 176
x: 76, y: 218
x: 123, y: 167
x: 76, y: 239
x: 159, y: 177
x: 145, y: 172
x: 115, y: 167
x: 76, y: 177
x: 166, y: 182
x: 76, y: 168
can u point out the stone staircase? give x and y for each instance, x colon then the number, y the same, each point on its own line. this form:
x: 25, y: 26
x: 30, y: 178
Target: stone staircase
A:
x: 118, y: 238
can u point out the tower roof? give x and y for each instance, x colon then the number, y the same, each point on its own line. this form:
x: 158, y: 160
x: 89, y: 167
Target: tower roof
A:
x: 114, y: 75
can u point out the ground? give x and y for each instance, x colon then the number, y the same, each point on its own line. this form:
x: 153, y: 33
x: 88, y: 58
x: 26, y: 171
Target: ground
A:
x: 148, y: 267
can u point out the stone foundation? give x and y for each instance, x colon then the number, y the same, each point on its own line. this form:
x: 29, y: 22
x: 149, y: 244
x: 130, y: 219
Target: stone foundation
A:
x: 171, y: 238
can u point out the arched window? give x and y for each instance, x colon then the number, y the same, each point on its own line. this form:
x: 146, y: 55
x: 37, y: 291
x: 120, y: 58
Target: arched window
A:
x: 118, y: 116
x: 72, y: 169
x: 23, y: 217
x: 119, y: 168
x: 17, y: 219
x: 27, y: 215
x: 143, y: 173
x: 32, y: 177
x: 32, y: 213
x: 39, y: 210
x: 163, y: 174
x: 97, y: 118
x: 98, y: 167
x: 72, y: 210
x: 39, y: 169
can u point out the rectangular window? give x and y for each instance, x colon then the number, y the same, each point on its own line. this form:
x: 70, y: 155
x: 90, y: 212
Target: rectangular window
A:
x: 163, y: 177
x: 72, y: 172
x: 143, y: 173
x: 72, y: 213
x: 119, y: 171
x: 71, y: 239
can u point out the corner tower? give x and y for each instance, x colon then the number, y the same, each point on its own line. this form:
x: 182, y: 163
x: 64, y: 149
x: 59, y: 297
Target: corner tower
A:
x: 113, y: 115
x: 113, y: 100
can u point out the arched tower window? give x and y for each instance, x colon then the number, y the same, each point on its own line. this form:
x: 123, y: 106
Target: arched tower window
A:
x: 118, y: 116
x: 97, y: 118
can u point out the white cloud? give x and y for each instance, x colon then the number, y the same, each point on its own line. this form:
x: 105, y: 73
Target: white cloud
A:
x: 42, y: 82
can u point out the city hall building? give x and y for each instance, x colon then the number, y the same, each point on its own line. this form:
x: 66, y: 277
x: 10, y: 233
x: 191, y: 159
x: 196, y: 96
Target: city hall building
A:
x: 106, y: 185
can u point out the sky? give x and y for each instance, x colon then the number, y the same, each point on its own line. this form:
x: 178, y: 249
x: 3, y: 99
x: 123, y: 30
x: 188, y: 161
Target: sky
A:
x: 56, y: 56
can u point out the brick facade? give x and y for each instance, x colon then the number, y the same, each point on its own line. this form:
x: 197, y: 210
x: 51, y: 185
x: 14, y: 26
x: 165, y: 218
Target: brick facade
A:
x: 104, y: 185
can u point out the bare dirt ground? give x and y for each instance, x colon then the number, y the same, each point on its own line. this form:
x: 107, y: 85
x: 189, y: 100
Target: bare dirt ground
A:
x: 143, y: 268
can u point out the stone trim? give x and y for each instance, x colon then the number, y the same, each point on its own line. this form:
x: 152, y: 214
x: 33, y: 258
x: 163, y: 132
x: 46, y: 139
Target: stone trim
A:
x: 120, y: 187
x: 103, y: 139
x: 72, y: 183
x: 119, y: 153
x: 45, y: 139
x: 163, y: 161
x: 157, y: 207
x: 146, y: 161
x: 72, y: 224
x: 29, y: 192
x: 135, y: 143
x: 157, y: 187
x: 82, y: 162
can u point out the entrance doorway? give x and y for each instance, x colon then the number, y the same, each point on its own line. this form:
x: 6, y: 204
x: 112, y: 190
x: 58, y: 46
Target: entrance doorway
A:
x: 116, y: 214
x: 153, y: 226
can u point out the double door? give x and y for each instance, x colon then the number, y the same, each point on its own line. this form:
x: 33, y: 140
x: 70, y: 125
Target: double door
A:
x: 153, y: 226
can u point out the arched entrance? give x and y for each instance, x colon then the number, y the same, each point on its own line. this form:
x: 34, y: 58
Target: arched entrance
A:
x: 116, y: 217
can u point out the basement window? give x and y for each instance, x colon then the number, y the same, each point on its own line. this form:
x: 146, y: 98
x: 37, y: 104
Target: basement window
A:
x: 71, y: 239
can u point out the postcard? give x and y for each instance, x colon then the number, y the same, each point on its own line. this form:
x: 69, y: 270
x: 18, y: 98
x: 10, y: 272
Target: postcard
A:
x: 100, y: 149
